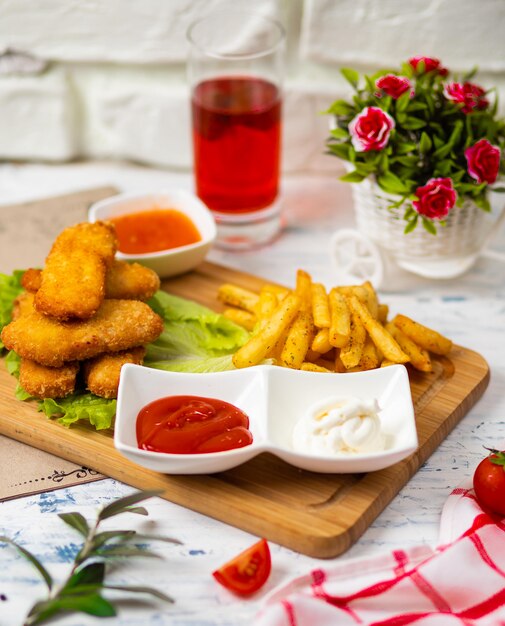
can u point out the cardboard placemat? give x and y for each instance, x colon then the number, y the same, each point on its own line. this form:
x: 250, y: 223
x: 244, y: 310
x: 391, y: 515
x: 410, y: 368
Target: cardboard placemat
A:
x: 26, y: 233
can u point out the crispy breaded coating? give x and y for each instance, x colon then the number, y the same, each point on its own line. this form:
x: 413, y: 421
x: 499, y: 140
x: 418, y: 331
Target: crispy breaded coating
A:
x: 118, y: 325
x: 101, y: 374
x: 131, y: 281
x: 47, y: 382
x: 73, y: 279
x: 123, y: 281
x: 31, y: 279
x: 23, y: 305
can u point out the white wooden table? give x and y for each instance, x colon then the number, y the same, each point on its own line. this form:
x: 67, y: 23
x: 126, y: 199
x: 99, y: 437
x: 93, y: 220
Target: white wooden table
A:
x: 471, y: 310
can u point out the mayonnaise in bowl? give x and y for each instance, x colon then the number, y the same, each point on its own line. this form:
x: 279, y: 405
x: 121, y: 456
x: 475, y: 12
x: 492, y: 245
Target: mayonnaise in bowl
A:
x: 339, y: 425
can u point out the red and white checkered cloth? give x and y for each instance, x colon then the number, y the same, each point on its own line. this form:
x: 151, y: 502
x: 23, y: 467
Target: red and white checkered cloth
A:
x: 459, y: 583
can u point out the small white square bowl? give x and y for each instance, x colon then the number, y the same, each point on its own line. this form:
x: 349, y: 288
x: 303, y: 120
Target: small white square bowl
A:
x: 165, y: 262
x: 274, y: 399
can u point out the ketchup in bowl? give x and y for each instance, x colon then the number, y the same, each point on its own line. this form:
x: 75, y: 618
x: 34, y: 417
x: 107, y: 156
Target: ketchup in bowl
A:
x: 154, y: 230
x: 192, y: 425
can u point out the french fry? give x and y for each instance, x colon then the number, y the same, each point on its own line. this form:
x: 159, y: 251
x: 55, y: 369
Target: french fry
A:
x: 303, y: 289
x: 369, y: 357
x: 387, y: 363
x: 236, y: 296
x: 425, y: 337
x: 371, y: 299
x: 380, y: 336
x: 277, y: 290
x: 266, y: 305
x: 340, y: 326
x: 350, y: 354
x: 419, y: 357
x: 339, y: 366
x: 258, y: 346
x: 298, y: 340
x: 321, y: 342
x: 382, y: 313
x: 320, y: 306
x: 312, y: 367
x: 241, y: 317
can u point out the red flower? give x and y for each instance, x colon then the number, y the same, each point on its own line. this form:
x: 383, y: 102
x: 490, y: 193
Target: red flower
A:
x: 394, y: 86
x: 435, y: 199
x: 370, y: 129
x: 483, y: 161
x: 468, y: 94
x: 430, y: 65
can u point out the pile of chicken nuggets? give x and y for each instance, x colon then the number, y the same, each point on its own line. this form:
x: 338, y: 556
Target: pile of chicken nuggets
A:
x: 84, y: 314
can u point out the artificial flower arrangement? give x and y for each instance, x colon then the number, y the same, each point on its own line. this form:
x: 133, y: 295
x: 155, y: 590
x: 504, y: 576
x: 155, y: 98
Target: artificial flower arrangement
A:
x: 430, y: 141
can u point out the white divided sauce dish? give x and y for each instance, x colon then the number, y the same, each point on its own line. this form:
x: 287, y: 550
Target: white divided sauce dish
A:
x: 274, y: 399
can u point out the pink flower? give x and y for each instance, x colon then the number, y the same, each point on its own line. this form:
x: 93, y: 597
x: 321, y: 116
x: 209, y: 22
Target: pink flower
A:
x: 370, y: 129
x: 435, y: 199
x: 483, y: 161
x: 430, y: 65
x: 468, y: 94
x: 394, y: 86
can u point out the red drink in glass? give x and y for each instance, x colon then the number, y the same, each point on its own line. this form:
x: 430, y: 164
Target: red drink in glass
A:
x: 236, y: 136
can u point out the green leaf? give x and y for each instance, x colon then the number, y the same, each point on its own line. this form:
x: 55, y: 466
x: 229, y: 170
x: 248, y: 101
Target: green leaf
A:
x: 425, y: 144
x: 391, y: 183
x: 429, y: 226
x: 351, y: 76
x: 10, y: 289
x: 125, y: 551
x: 90, y: 574
x: 91, y: 604
x: 413, y: 123
x: 352, y: 177
x: 76, y: 521
x: 339, y: 133
x: 340, y: 107
x: 85, y: 406
x: 403, y: 101
x: 138, y: 589
x: 443, y: 151
x: 498, y: 189
x: 341, y: 150
x: 123, y: 504
x: 411, y: 225
x: 33, y: 560
x: 105, y: 536
x: 483, y: 203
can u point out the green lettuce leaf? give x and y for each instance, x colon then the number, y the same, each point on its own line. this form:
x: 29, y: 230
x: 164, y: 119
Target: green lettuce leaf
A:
x: 10, y: 288
x: 12, y: 364
x: 81, y: 406
x: 195, y: 339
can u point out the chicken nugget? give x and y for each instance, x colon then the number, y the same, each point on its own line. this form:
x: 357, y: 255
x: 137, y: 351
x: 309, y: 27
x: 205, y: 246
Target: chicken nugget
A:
x: 131, y: 281
x: 31, y: 280
x: 47, y: 382
x: 101, y: 374
x: 23, y: 305
x: 73, y: 279
x: 118, y: 325
x: 123, y: 281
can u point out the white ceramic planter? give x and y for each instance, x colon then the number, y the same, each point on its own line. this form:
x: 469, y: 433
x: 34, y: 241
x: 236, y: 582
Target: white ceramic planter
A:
x: 449, y: 253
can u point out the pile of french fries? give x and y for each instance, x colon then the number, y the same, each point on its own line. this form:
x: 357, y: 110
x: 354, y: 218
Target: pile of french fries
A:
x: 345, y: 329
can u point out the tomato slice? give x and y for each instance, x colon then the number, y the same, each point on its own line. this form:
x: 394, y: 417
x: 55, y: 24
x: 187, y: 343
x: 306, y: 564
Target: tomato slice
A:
x: 248, y: 571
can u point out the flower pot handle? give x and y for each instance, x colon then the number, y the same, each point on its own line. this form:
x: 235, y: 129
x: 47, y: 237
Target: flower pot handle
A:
x: 356, y: 258
x: 486, y: 251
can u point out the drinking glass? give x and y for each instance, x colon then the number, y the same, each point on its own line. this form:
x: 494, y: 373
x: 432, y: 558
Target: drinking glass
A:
x: 235, y: 67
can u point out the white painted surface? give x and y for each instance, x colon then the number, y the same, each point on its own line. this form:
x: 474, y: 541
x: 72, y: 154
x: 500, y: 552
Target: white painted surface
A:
x: 129, y: 97
x: 470, y: 310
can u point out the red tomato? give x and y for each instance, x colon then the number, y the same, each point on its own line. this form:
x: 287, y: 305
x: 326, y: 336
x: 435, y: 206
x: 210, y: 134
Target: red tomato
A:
x: 489, y: 482
x: 248, y: 571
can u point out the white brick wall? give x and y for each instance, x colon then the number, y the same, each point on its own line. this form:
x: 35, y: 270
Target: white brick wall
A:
x: 116, y: 86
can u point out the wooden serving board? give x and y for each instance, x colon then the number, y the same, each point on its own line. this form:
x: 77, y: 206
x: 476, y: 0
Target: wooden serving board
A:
x: 320, y: 515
